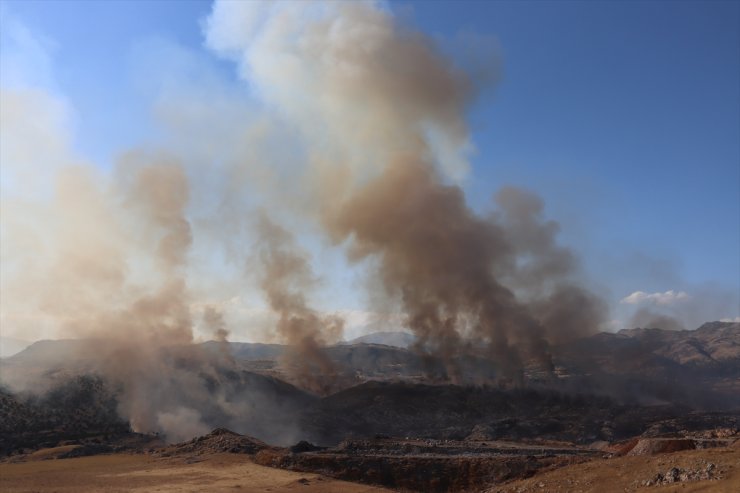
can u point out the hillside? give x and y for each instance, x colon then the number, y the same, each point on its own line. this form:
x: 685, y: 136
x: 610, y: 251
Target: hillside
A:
x: 392, y: 338
x: 699, y: 368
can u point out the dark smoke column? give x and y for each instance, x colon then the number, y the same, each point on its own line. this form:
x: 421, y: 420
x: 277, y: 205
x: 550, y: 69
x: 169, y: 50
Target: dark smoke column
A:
x: 380, y: 115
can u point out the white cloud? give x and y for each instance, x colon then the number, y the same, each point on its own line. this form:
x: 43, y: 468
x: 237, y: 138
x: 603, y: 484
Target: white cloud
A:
x: 736, y: 320
x: 667, y: 298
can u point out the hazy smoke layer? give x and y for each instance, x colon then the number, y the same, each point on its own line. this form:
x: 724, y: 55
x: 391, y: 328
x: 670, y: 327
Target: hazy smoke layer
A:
x: 382, y: 113
x: 286, y: 277
x: 214, y: 322
x: 110, y: 265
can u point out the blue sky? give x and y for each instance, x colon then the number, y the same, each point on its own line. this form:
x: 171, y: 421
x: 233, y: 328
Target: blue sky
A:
x: 624, y: 116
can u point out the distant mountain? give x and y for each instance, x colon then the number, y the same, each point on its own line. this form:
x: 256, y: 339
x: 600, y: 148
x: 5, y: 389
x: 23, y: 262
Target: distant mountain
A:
x: 249, y: 351
x: 700, y: 368
x: 394, y: 338
x: 710, y: 344
x: 51, y: 352
x: 713, y: 344
x: 49, y: 358
x: 10, y: 346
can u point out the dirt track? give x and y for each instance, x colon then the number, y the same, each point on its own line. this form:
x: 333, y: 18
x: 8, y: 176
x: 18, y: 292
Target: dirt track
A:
x: 114, y: 473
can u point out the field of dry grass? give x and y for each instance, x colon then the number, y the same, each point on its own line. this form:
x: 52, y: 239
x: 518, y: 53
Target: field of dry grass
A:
x: 124, y: 472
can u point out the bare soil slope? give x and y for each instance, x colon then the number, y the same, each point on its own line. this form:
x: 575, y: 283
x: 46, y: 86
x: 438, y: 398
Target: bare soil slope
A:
x: 629, y: 474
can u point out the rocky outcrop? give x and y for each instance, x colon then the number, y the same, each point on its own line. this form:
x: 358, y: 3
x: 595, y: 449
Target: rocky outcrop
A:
x: 218, y: 441
x: 679, y: 475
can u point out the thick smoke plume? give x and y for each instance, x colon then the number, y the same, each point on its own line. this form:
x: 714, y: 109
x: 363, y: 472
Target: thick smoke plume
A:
x: 111, y: 268
x: 383, y: 116
x: 376, y: 117
x: 447, y: 266
x: 285, y: 280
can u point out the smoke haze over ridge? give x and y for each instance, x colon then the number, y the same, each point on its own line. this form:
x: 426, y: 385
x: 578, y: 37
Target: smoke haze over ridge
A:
x: 391, y: 143
x: 377, y: 116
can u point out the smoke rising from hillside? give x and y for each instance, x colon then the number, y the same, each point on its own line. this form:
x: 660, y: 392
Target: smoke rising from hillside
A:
x: 286, y: 277
x: 383, y: 161
x: 379, y: 118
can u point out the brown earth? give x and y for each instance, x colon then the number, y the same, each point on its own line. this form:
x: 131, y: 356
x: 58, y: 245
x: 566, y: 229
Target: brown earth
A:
x: 415, y: 473
x: 654, y: 446
x: 218, y: 441
x: 138, y: 472
x: 425, y: 464
x: 410, y: 465
x: 628, y: 474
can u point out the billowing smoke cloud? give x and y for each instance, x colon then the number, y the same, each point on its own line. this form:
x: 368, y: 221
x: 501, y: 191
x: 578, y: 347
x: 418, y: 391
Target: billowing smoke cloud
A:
x: 107, y: 257
x: 382, y: 114
x: 447, y: 265
x: 360, y: 87
x: 182, y: 424
x: 117, y: 277
x: 381, y: 146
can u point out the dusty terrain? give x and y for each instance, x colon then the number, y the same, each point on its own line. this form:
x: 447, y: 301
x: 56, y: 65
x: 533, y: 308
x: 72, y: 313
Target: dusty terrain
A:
x: 129, y: 472
x: 427, y: 465
x: 491, y: 468
x: 395, y: 427
x: 627, y: 474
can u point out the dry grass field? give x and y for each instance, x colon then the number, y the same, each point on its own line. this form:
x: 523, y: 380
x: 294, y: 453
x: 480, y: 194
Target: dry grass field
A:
x: 124, y: 472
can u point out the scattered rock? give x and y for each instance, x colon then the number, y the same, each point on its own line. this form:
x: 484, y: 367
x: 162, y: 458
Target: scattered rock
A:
x: 678, y: 475
x: 219, y: 440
